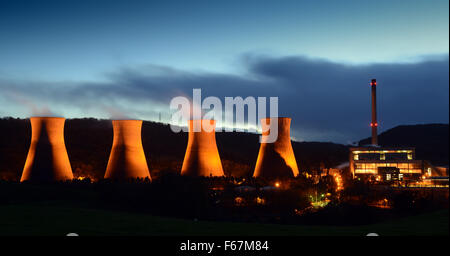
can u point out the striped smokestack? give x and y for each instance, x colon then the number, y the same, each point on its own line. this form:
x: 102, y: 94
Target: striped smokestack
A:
x: 374, y: 123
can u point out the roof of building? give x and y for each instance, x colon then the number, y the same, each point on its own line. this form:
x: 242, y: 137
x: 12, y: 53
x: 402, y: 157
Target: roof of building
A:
x: 382, y: 149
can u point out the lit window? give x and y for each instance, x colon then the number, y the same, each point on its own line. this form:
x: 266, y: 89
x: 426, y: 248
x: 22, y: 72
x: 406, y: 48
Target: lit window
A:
x: 388, y: 176
x: 410, y: 156
x: 382, y: 157
x: 356, y: 157
x: 403, y: 166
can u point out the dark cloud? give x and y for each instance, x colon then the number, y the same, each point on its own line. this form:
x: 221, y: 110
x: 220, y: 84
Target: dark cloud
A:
x: 327, y: 101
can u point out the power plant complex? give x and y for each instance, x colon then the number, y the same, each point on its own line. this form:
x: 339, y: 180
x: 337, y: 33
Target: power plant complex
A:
x: 48, y: 159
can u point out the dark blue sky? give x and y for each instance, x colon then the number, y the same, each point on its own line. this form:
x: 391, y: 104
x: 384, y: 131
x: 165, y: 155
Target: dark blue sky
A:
x: 96, y: 58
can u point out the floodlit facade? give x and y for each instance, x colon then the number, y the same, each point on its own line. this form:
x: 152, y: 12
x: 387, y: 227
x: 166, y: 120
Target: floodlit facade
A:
x: 202, y: 156
x: 276, y: 160
x: 127, y: 159
x: 47, y: 158
x: 386, y: 164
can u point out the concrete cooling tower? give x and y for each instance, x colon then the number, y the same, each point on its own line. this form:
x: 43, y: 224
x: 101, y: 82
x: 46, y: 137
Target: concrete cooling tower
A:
x: 47, y: 158
x: 276, y: 160
x: 127, y: 158
x: 202, y: 156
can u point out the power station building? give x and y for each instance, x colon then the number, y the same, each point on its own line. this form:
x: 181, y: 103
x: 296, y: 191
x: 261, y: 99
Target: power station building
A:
x: 386, y: 163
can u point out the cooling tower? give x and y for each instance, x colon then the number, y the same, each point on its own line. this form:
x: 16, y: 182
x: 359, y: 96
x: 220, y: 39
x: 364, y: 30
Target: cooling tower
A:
x: 202, y: 156
x: 276, y: 160
x: 47, y: 158
x: 127, y: 158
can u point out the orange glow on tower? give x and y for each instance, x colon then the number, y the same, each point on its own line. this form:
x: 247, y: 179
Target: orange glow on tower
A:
x: 202, y: 156
x: 276, y: 159
x: 127, y: 158
x: 47, y: 158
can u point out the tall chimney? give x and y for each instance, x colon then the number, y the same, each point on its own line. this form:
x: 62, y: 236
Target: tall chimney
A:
x: 202, y: 156
x: 127, y: 158
x: 276, y: 160
x: 47, y: 158
x: 374, y: 123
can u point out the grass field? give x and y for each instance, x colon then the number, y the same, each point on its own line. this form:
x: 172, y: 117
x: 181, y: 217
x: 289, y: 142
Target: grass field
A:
x: 57, y: 219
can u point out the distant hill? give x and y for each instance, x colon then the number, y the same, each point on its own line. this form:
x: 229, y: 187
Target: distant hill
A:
x: 430, y: 141
x: 89, y: 142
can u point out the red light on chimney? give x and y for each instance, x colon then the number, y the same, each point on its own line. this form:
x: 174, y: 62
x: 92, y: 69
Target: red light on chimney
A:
x: 374, y: 82
x: 371, y: 124
x: 376, y: 124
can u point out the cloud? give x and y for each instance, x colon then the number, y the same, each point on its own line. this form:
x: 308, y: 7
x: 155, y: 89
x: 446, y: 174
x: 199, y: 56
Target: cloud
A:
x: 327, y: 101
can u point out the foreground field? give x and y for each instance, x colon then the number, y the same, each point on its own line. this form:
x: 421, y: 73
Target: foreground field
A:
x: 58, y: 220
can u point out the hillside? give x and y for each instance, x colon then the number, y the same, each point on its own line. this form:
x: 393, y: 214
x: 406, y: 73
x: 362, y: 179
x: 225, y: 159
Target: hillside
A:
x: 430, y: 141
x: 89, y: 142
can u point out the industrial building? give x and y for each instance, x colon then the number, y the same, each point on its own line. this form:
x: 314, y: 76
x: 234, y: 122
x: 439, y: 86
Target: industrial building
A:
x: 387, y: 163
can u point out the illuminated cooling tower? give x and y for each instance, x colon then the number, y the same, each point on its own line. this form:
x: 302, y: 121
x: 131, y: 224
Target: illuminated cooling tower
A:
x: 276, y: 160
x: 202, y: 156
x: 47, y: 158
x: 127, y: 158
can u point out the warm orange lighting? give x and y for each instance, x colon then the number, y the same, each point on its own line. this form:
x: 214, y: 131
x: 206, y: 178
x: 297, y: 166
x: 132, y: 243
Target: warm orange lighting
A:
x: 276, y: 159
x: 239, y: 201
x: 260, y: 200
x: 127, y: 158
x: 339, y: 183
x: 277, y: 184
x: 47, y: 158
x: 373, y: 151
x: 202, y: 156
